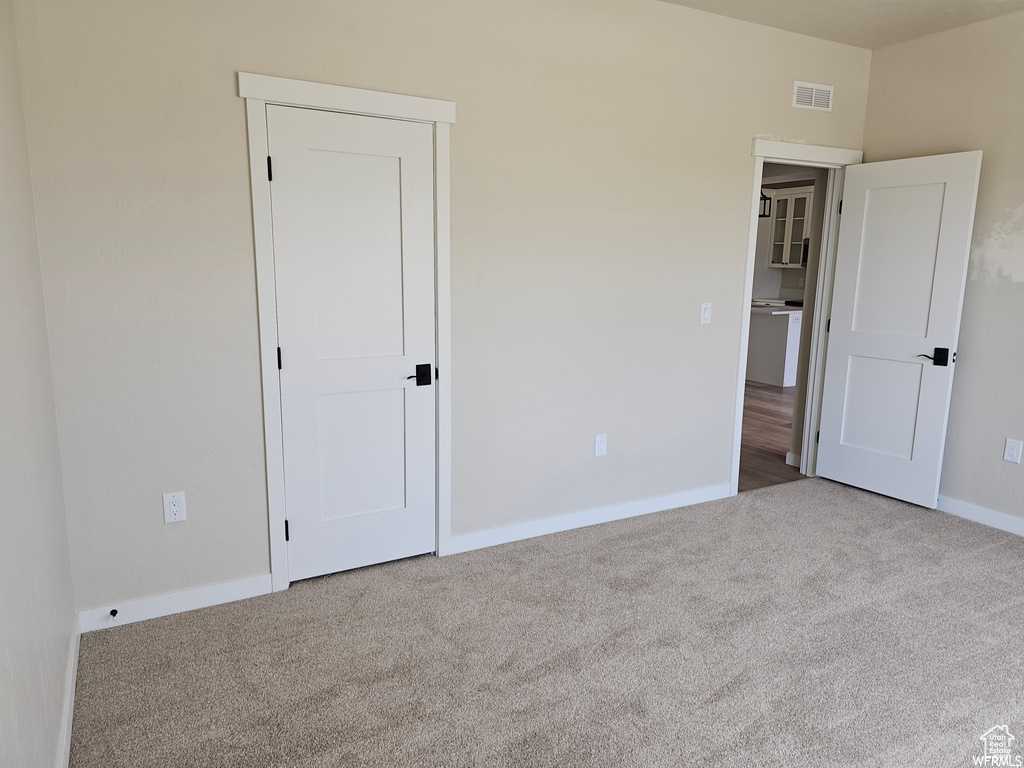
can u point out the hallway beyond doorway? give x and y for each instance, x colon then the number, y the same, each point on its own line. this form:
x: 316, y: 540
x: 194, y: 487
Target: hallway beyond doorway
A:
x: 767, y: 425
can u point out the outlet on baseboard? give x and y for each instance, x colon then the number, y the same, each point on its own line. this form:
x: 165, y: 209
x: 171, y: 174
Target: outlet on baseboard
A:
x: 174, y: 507
x: 601, y: 445
x: 1013, y: 450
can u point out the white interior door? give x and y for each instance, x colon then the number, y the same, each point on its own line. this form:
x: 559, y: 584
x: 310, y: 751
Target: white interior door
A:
x: 353, y: 227
x: 901, y: 266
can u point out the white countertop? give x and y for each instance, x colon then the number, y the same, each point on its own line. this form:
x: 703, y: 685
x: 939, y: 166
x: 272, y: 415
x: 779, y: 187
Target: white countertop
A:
x: 773, y: 308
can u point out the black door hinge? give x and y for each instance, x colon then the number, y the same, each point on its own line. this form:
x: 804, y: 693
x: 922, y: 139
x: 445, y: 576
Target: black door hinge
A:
x: 437, y: 373
x: 816, y: 436
x: 270, y: 169
x: 840, y: 202
x: 279, y: 358
x: 828, y: 325
x: 286, y: 530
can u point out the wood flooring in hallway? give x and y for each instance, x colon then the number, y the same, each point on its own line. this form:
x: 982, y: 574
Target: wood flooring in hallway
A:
x: 767, y: 424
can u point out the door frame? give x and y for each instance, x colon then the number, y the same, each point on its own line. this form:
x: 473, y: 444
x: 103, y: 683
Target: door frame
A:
x: 259, y: 91
x: 808, y: 155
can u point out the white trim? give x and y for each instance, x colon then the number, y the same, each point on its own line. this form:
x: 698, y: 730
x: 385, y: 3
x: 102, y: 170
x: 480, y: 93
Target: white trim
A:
x: 70, y: 680
x: 990, y: 517
x: 806, y: 154
x: 792, y: 459
x: 266, y: 307
x: 480, y: 539
x: 258, y: 91
x: 748, y: 294
x: 819, y: 335
x: 303, y: 93
x: 443, y: 309
x: 176, y: 602
x: 766, y: 151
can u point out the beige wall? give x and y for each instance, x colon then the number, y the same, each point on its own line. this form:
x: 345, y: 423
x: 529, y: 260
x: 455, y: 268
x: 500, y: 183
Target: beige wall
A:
x: 601, y: 177
x: 954, y: 91
x: 37, y: 617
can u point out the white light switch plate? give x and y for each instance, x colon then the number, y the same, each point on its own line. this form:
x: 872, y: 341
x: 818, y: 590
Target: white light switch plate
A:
x: 1013, y: 450
x: 705, y: 314
x: 174, y: 507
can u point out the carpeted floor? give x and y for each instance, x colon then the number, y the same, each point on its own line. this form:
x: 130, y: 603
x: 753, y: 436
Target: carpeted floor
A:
x: 808, y: 624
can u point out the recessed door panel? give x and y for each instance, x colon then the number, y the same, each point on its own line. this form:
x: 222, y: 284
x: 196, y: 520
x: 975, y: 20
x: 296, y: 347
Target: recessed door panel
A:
x: 882, y: 399
x: 897, y: 259
x: 355, y: 222
x: 362, y: 452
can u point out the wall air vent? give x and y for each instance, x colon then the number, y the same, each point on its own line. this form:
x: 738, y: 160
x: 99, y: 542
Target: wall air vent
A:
x: 812, y: 96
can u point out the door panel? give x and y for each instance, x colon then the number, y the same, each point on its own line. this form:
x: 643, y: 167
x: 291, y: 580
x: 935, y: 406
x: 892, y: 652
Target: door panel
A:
x: 901, y: 267
x: 882, y: 400
x: 353, y: 225
x: 357, y: 254
x: 362, y: 452
x: 897, y: 259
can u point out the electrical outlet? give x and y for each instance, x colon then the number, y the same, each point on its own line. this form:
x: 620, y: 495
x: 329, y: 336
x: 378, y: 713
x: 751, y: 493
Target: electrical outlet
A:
x: 601, y: 445
x: 1013, y: 450
x: 174, y: 507
x: 801, y: 282
x: 705, y: 314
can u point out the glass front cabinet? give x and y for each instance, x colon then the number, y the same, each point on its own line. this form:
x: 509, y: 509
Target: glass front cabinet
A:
x: 791, y: 226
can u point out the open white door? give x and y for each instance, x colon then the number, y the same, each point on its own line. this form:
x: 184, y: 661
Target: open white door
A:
x: 900, y: 271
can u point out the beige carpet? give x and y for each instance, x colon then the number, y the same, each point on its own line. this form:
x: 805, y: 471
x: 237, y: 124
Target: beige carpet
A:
x: 807, y: 624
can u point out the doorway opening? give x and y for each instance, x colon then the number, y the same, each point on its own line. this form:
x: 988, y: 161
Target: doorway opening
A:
x: 788, y: 247
x: 817, y: 293
x: 876, y: 416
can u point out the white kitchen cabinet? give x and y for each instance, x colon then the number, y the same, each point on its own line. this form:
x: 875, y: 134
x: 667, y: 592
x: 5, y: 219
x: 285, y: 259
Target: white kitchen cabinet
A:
x: 791, y: 227
x: 774, y: 345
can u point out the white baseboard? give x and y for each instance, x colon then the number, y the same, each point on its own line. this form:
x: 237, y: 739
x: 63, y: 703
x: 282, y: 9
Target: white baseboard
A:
x: 176, y: 602
x: 470, y: 541
x: 71, y: 677
x: 983, y: 515
x: 793, y: 459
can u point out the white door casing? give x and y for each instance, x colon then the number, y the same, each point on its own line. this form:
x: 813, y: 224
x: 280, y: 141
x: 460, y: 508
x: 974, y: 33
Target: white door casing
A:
x: 260, y: 92
x: 900, y: 272
x: 353, y: 235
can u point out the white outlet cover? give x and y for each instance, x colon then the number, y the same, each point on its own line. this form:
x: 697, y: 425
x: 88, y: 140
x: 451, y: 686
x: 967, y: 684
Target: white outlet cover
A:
x: 1013, y: 450
x: 174, y: 507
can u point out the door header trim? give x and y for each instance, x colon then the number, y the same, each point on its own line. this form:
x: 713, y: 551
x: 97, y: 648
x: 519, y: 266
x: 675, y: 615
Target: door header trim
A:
x: 303, y: 93
x: 806, y: 154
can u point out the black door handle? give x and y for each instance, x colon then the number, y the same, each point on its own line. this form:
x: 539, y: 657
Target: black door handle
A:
x: 423, y: 375
x: 941, y: 356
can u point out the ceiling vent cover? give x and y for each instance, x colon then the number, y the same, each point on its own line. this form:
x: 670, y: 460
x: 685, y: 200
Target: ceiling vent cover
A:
x: 812, y: 96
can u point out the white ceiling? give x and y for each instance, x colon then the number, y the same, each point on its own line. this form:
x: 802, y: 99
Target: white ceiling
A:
x: 863, y: 23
